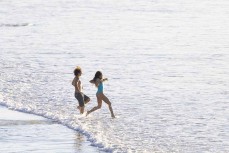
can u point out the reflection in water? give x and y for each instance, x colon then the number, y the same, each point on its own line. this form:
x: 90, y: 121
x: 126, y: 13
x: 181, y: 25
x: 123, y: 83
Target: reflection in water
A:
x: 81, y: 145
x: 18, y: 129
x: 79, y: 140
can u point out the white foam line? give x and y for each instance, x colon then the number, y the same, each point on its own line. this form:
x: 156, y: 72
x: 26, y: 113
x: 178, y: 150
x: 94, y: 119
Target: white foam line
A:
x: 69, y: 124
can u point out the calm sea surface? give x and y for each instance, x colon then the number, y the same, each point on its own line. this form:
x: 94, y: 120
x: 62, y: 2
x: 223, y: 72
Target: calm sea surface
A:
x: 167, y: 63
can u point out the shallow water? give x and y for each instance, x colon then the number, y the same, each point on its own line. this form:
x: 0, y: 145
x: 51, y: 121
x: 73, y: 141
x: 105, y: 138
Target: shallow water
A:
x: 167, y: 65
x: 29, y: 133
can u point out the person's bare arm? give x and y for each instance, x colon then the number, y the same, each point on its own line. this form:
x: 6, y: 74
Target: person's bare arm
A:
x: 105, y: 79
x: 79, y: 85
x: 92, y: 81
x: 74, y: 82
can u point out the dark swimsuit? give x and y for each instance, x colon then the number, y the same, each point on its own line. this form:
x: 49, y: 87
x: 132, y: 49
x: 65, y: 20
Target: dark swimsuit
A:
x: 81, y: 98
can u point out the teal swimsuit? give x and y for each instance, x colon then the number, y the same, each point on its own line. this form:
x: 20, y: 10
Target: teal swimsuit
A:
x: 100, y: 88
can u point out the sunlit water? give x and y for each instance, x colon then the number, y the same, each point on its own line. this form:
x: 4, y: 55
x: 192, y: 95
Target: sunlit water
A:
x: 28, y: 133
x: 167, y: 65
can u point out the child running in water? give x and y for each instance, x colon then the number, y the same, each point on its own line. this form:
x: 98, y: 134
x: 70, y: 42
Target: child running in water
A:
x: 82, y: 98
x: 98, y: 81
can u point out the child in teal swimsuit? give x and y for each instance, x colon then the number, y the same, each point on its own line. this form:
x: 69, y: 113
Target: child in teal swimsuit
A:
x: 98, y: 81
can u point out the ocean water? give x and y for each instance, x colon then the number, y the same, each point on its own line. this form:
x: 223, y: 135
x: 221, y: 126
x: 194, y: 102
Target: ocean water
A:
x: 167, y: 63
x: 21, y: 132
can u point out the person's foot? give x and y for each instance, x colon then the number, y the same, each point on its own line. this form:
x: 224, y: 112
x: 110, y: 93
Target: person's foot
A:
x: 87, y: 113
x: 112, y: 116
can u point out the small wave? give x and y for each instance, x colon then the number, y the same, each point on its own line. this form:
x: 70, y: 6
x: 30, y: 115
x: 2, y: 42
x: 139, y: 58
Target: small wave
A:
x: 15, y: 25
x: 23, y: 122
x: 72, y: 123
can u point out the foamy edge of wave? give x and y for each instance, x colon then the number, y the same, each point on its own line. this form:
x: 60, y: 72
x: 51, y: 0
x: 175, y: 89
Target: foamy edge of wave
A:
x: 71, y: 124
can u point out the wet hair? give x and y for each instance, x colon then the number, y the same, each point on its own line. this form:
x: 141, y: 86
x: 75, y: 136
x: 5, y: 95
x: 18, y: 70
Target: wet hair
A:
x: 77, y: 71
x: 97, y: 75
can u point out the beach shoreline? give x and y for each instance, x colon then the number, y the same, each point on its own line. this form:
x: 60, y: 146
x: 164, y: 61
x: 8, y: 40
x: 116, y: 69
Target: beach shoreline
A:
x: 22, y: 132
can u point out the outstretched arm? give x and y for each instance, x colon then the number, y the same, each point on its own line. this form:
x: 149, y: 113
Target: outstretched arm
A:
x: 92, y: 81
x: 105, y: 79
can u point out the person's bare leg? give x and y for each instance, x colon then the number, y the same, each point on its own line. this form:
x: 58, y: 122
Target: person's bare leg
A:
x: 81, y: 110
x: 106, y: 100
x: 99, y: 100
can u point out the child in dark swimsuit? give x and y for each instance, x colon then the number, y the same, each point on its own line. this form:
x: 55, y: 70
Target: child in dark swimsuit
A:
x: 98, y: 81
x: 82, y: 98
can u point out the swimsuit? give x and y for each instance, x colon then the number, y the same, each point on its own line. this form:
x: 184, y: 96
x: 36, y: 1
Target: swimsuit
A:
x: 100, y: 88
x: 81, y: 98
x: 79, y: 95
